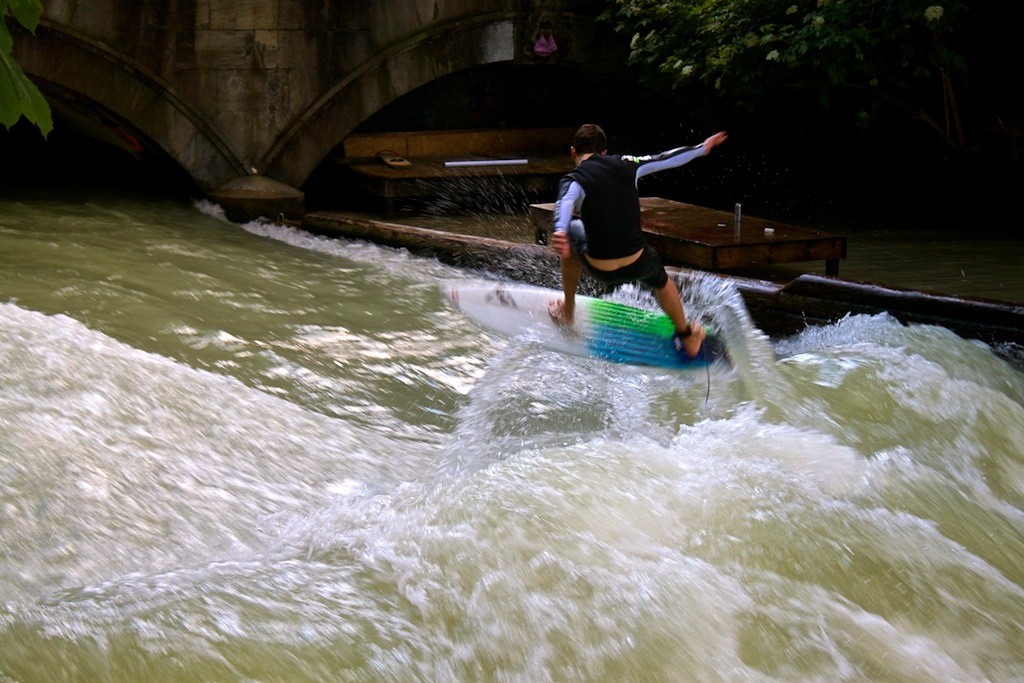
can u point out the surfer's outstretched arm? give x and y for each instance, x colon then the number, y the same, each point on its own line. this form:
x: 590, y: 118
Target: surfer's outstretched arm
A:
x: 674, y: 158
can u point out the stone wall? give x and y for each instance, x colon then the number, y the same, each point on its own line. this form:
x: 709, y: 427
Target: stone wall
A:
x: 231, y: 87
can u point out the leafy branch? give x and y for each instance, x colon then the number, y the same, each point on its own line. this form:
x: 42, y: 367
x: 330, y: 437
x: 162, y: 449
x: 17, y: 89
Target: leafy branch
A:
x: 18, y: 95
x: 832, y: 54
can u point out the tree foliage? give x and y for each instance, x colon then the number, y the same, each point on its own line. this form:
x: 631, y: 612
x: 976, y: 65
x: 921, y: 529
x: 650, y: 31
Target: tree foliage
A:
x: 864, y: 55
x: 18, y: 95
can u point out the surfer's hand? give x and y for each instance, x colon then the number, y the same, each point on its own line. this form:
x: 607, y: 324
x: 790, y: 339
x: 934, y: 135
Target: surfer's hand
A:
x: 560, y: 244
x: 714, y: 141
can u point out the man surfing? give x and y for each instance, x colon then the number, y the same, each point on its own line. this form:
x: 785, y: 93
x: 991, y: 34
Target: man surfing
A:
x: 606, y: 239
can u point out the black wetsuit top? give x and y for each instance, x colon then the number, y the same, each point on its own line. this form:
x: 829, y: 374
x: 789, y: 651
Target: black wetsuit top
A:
x: 611, y: 212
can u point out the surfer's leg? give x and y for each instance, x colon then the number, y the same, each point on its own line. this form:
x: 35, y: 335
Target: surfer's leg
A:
x: 649, y: 270
x: 689, y: 335
x: 563, y: 312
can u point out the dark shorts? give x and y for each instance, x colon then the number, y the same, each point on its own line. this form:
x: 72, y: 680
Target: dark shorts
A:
x: 647, y: 270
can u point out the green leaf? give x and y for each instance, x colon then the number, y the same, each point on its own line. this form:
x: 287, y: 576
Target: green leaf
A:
x: 10, y: 107
x: 20, y: 97
x: 6, y: 42
x: 27, y: 12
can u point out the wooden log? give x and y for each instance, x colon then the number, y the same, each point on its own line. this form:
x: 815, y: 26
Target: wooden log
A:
x: 516, y: 260
x: 989, y: 321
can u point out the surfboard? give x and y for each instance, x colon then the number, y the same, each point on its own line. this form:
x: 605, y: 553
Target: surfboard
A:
x: 602, y: 329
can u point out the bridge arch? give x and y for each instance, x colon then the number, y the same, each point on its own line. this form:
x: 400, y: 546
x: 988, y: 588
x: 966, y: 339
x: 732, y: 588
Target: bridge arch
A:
x: 140, y: 100
x: 401, y: 68
x: 429, y: 55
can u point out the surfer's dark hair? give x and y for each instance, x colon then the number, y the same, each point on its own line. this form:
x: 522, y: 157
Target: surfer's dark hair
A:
x: 590, y: 139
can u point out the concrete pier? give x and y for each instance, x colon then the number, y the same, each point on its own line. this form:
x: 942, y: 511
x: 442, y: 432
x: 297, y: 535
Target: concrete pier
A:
x: 249, y: 197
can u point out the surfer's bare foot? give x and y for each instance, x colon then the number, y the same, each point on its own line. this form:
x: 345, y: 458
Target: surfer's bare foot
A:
x: 689, y: 344
x: 556, y: 309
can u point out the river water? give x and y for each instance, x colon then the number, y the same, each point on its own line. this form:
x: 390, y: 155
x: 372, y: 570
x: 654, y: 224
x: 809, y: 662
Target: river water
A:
x: 248, y: 453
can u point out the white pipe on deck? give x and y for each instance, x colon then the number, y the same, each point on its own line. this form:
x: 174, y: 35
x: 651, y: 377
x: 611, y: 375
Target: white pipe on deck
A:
x: 487, y: 162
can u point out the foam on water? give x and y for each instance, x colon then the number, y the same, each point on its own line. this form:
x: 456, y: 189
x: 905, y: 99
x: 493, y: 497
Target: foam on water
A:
x: 397, y: 261
x: 851, y: 511
x: 119, y: 448
x: 602, y: 559
x: 208, y: 208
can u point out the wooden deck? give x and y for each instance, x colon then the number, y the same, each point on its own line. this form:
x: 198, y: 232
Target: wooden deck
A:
x: 546, y: 151
x: 685, y: 234
x: 429, y: 177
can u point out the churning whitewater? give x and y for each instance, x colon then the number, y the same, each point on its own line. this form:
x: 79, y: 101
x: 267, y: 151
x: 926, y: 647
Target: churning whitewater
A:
x: 249, y: 453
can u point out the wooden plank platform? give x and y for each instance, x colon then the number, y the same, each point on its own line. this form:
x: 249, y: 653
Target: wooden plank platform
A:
x: 431, y: 178
x: 446, y: 143
x: 685, y: 234
x: 545, y: 150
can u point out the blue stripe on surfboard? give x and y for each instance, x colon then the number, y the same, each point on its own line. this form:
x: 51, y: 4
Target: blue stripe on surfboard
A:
x: 637, y: 348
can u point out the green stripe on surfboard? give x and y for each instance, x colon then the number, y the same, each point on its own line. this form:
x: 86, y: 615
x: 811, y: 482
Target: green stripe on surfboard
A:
x: 625, y: 317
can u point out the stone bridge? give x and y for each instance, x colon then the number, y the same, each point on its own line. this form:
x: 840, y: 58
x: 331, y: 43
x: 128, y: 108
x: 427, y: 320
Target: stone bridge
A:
x: 233, y: 88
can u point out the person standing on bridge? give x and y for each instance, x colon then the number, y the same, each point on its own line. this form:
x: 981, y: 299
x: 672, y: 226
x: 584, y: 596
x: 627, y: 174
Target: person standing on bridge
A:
x: 608, y: 241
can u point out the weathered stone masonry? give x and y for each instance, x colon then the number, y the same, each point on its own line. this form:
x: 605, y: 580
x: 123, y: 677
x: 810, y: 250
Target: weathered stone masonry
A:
x: 231, y: 88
